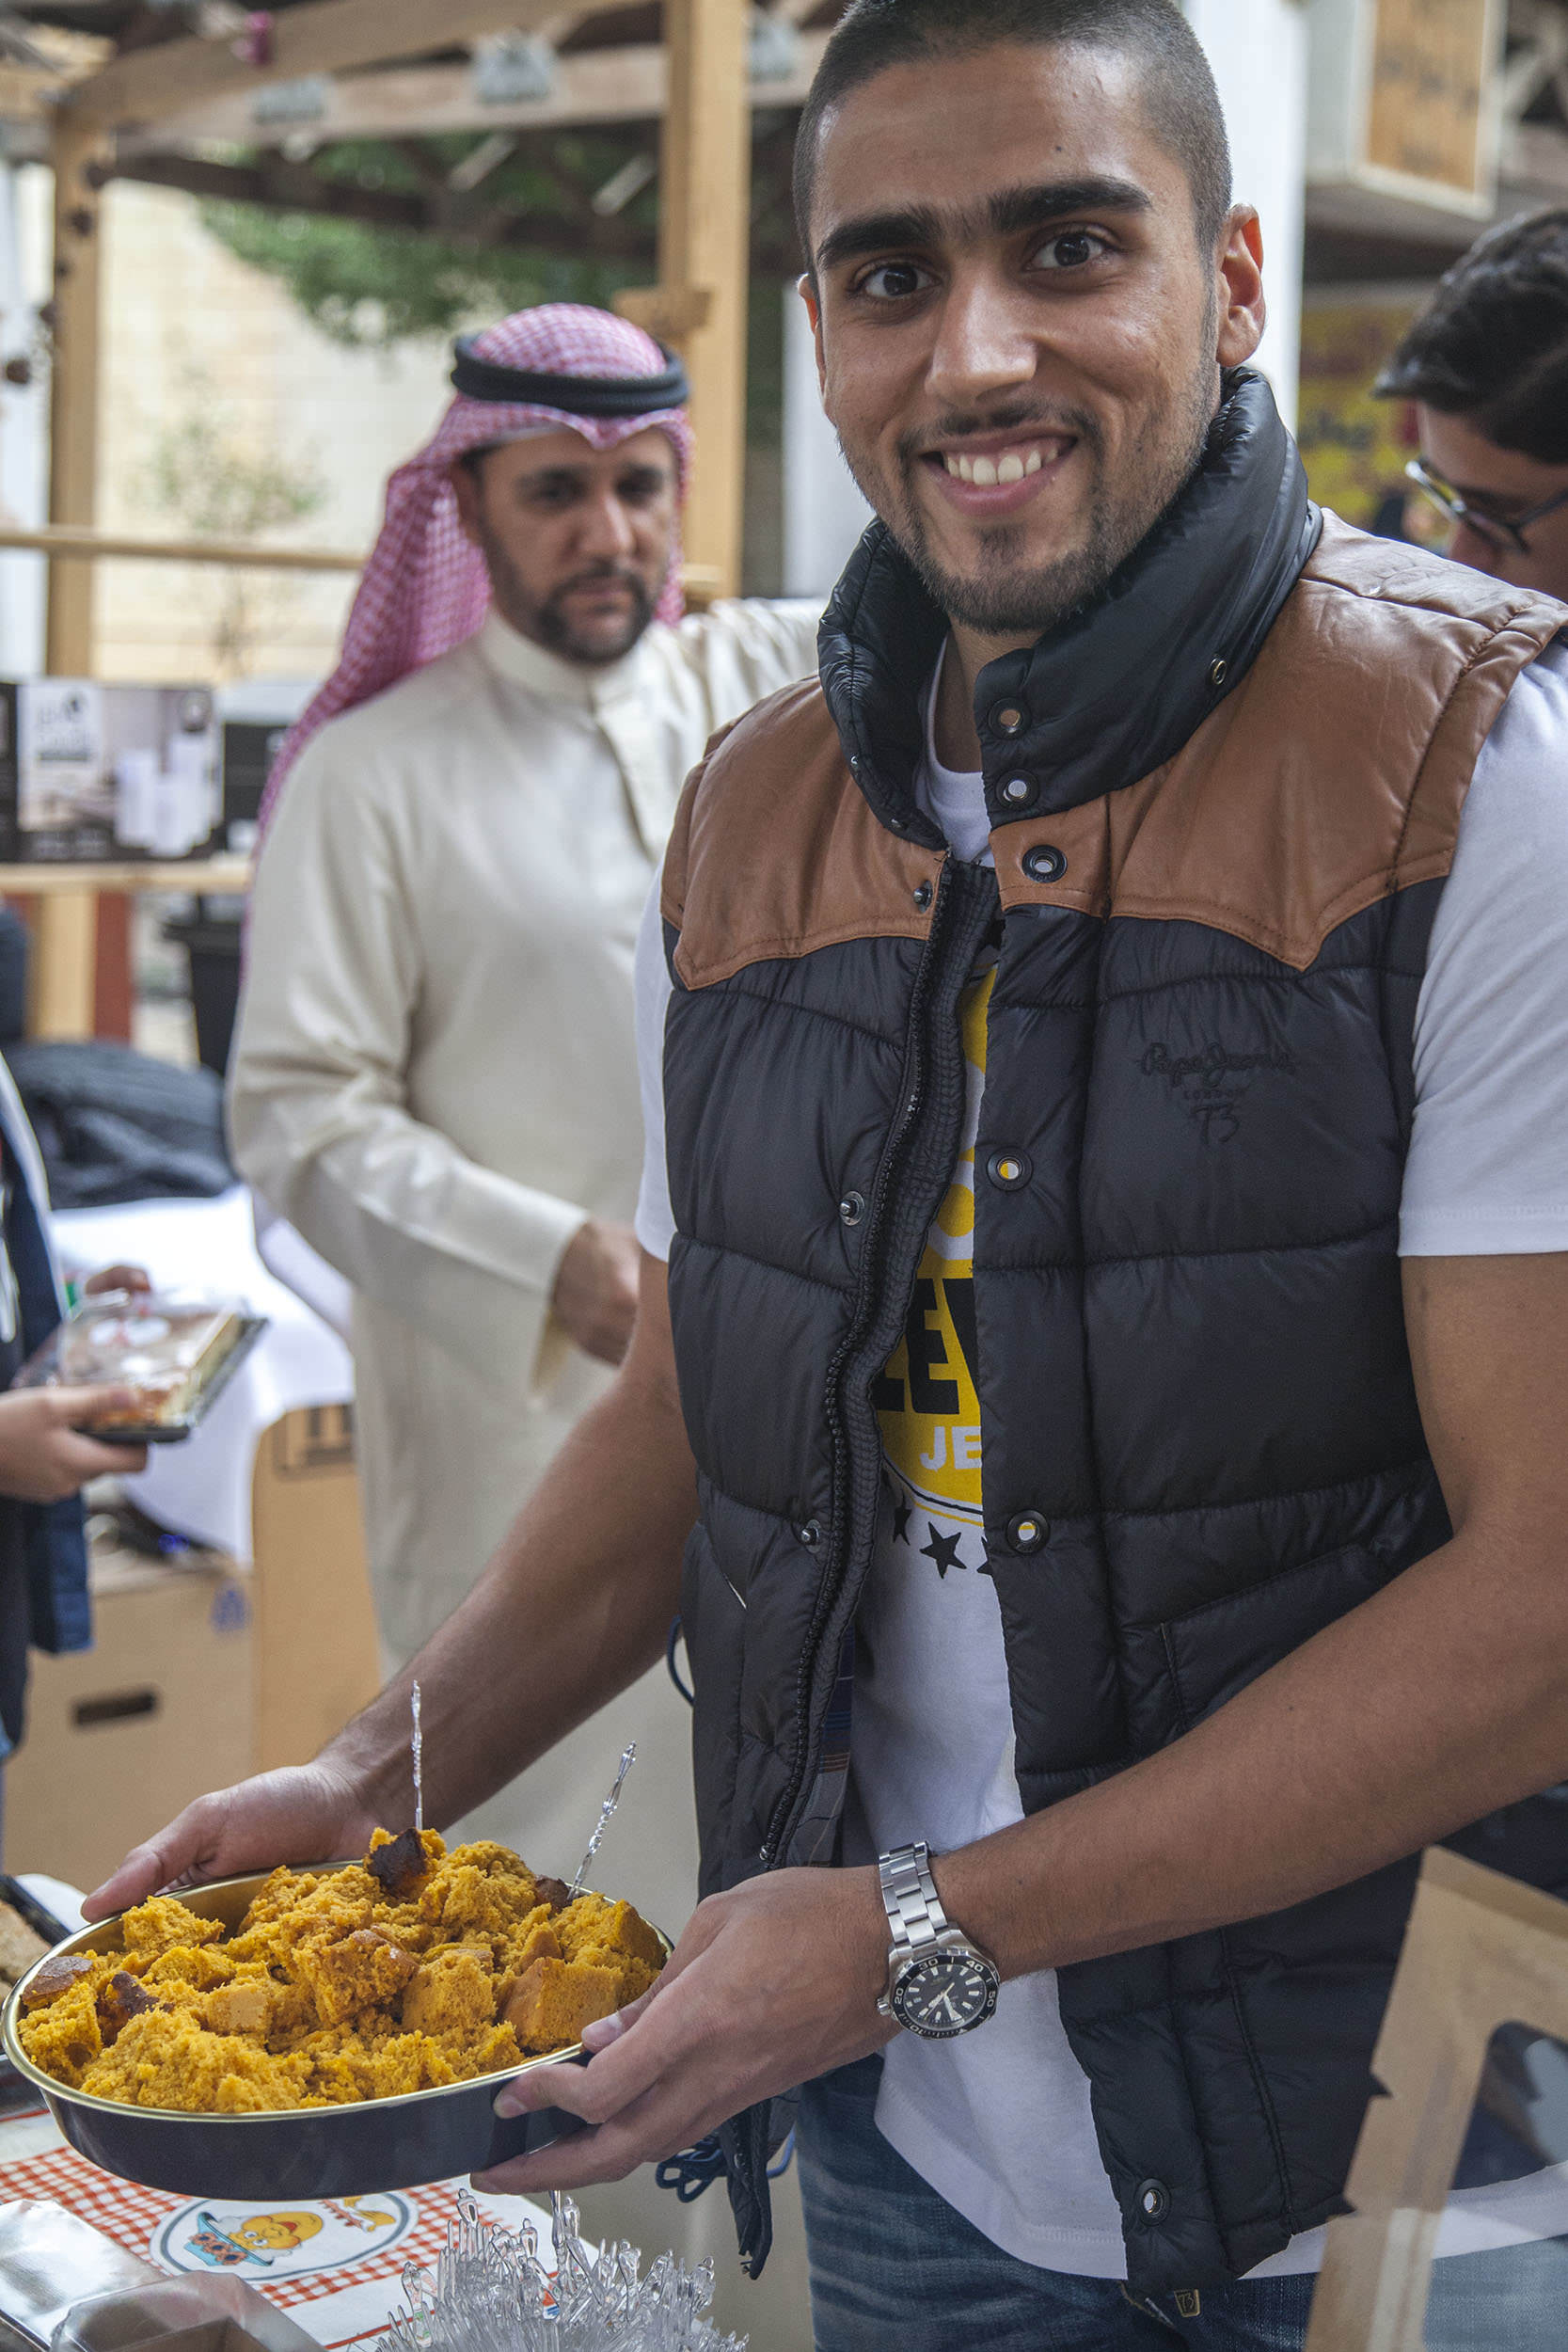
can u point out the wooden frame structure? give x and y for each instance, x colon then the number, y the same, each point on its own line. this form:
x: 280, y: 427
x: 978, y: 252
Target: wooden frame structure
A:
x: 1482, y: 1952
x: 704, y: 89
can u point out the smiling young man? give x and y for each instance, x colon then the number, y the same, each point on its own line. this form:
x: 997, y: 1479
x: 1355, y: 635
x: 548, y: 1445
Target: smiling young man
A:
x: 1488, y: 366
x: 1057, y: 1023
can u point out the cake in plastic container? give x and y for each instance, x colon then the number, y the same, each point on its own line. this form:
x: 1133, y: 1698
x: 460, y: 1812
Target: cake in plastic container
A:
x: 170, y: 1352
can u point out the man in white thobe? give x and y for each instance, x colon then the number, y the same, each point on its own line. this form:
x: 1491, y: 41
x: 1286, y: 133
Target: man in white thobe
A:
x: 434, y: 1078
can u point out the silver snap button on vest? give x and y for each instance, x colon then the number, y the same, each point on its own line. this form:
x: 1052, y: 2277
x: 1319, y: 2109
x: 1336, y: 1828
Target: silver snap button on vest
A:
x: 852, y: 1207
x: 1042, y: 864
x: 923, y: 896
x: 810, y: 1534
x: 1009, y: 1170
x: 1028, y: 1533
x: 1006, y: 718
x: 1219, y: 672
x: 1153, y: 2201
x: 1017, y: 791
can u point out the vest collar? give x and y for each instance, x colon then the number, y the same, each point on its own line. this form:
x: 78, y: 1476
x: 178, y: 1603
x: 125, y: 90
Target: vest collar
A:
x: 1116, y: 689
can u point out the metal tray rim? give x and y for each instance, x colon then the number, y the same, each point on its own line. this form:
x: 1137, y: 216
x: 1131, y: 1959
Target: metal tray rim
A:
x: 573, y: 2055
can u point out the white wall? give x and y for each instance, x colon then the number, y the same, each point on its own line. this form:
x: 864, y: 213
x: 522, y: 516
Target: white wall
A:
x: 1258, y: 49
x: 823, y: 512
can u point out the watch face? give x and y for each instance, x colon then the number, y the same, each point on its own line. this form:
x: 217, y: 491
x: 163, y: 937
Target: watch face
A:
x: 944, y: 1993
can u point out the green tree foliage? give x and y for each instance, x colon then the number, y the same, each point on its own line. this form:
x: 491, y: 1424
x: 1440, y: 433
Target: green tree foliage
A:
x: 365, y: 284
x: 206, y: 473
x: 375, y: 284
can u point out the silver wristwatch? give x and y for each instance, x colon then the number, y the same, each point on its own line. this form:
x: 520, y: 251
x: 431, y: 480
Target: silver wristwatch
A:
x: 939, y: 1983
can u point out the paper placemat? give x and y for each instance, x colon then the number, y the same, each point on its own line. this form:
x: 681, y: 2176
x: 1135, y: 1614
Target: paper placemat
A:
x: 334, y: 2264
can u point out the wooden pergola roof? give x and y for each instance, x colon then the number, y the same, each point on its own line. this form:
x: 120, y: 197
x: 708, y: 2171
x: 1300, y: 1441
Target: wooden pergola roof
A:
x: 209, y: 95
x: 188, y: 113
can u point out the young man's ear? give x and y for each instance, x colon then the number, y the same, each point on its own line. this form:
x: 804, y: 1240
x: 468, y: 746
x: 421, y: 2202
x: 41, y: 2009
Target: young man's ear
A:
x: 1243, y: 312
x: 808, y: 295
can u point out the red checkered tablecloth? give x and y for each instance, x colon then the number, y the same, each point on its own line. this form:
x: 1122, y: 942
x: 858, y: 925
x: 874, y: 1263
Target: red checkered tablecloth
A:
x: 132, y: 2216
x: 341, y: 2302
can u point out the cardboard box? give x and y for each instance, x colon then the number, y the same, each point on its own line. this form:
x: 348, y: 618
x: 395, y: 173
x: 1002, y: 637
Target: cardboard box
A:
x: 90, y: 773
x: 122, y: 1735
x: 317, y: 1658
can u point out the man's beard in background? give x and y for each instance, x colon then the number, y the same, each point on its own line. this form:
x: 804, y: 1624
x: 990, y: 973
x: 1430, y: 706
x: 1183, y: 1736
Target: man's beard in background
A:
x: 548, y: 624
x: 1004, y: 598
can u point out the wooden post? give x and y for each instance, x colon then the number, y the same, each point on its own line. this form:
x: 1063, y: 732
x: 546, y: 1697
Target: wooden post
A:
x: 79, y: 152
x: 64, y: 936
x: 704, y: 246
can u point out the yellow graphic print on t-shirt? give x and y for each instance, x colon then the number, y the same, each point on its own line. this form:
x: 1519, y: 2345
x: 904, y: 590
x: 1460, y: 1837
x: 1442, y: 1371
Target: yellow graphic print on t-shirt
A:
x: 926, y: 1400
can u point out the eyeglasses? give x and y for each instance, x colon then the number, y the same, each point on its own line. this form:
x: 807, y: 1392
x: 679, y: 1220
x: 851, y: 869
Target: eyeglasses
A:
x: 1492, y: 527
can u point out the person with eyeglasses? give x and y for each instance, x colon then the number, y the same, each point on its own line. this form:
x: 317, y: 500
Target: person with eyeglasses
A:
x: 1486, y: 364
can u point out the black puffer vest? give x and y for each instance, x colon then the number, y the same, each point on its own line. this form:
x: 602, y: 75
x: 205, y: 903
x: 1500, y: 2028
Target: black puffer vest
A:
x: 1223, y: 802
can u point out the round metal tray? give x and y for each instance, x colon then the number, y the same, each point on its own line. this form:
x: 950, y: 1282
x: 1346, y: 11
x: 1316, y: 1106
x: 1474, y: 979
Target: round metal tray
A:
x: 301, y: 2151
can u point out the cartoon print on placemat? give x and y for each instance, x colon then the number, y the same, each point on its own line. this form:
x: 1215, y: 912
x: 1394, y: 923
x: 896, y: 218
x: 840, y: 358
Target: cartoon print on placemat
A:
x: 267, y: 2241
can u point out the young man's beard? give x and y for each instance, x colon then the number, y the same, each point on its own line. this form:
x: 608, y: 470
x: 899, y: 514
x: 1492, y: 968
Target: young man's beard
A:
x: 548, y: 622
x: 1006, y: 597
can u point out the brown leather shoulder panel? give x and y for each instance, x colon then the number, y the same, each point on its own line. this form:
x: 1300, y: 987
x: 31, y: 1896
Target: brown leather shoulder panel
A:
x: 1334, y: 775
x: 775, y: 852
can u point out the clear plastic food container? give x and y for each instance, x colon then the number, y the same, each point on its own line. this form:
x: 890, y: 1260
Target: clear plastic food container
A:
x: 192, y: 2314
x: 175, y: 1352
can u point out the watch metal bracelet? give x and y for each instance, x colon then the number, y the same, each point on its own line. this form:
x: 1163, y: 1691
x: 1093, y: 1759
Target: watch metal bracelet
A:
x: 911, y: 1899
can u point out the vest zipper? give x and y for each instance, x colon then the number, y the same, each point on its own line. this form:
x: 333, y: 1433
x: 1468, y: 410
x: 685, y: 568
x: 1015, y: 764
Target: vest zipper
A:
x: 901, y: 1209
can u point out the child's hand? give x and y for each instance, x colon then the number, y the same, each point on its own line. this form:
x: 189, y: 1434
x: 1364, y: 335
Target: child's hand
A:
x: 43, y: 1456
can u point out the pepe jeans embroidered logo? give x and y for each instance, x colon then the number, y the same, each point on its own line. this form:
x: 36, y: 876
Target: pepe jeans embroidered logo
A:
x: 1212, y: 1083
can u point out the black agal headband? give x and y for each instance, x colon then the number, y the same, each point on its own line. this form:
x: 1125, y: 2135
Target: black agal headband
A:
x: 479, y: 379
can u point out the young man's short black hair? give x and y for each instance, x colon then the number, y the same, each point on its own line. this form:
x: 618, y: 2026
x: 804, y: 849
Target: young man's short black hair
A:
x: 1492, y: 345
x: 1183, y: 106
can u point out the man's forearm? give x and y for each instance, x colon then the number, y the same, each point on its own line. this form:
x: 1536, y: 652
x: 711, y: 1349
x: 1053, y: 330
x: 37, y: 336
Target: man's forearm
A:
x: 574, y: 1607
x: 1408, y: 1719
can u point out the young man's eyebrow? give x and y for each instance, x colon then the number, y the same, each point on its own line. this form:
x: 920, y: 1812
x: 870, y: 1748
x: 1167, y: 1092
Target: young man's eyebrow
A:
x: 879, y: 232
x: 1053, y: 199
x: 1004, y: 214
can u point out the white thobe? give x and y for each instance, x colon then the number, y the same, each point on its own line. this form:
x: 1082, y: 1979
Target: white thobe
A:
x: 435, y: 1080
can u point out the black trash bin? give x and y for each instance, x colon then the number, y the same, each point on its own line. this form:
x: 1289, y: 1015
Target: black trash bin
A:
x: 212, y: 942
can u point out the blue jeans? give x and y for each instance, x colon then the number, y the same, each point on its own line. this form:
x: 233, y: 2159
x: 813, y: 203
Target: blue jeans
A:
x: 893, y: 2265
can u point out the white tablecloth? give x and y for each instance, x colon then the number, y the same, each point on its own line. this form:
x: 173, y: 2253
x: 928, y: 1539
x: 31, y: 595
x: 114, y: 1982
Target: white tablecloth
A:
x: 201, y: 1489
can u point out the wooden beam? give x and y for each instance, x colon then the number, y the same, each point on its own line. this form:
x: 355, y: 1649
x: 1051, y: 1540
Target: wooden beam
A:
x: 704, y: 246
x: 61, y: 542
x: 228, y: 876
x: 82, y: 158
x: 26, y: 95
x: 592, y: 86
x: 278, y: 184
x: 64, y: 936
x: 326, y: 36
x: 456, y: 218
x: 64, y: 967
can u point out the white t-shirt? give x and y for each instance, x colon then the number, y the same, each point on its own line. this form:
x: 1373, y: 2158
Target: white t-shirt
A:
x: 998, y: 2121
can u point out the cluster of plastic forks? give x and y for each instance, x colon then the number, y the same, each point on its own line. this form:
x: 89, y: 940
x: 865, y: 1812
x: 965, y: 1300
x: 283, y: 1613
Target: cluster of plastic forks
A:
x: 491, y: 2293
